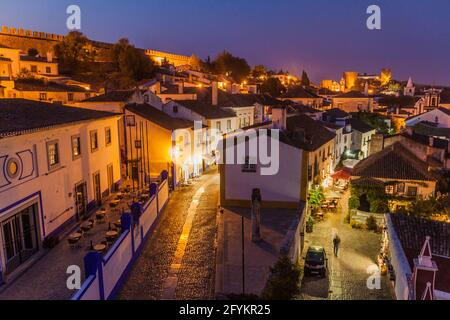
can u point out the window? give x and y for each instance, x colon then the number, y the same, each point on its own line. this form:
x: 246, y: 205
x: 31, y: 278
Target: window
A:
x: 108, y: 138
x: 94, y: 141
x: 401, y: 188
x: 229, y: 125
x: 52, y: 154
x: 34, y: 68
x: 411, y: 191
x: 146, y: 99
x: 175, y: 109
x: 48, y: 70
x: 76, y: 147
x: 131, y: 121
x: 248, y: 167
x: 390, y: 189
x: 70, y: 96
x: 42, y: 96
x: 219, y: 126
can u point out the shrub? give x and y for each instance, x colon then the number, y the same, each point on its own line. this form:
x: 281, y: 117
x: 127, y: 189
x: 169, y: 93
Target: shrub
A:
x: 309, y: 225
x: 353, y: 202
x: 371, y: 223
x: 356, y: 225
x: 284, y: 281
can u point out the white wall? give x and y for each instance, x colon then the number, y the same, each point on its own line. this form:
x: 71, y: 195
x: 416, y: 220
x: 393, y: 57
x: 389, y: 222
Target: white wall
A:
x: 284, y: 186
x: 57, y: 186
x: 443, y: 118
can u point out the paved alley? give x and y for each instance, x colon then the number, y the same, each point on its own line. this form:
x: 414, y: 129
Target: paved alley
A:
x: 178, y: 261
x: 348, y: 272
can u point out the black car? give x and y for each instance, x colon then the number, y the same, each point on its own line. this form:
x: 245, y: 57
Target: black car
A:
x: 316, y: 261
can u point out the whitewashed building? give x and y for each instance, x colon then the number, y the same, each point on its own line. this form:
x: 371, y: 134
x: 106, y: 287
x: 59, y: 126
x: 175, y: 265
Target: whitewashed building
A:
x: 57, y: 163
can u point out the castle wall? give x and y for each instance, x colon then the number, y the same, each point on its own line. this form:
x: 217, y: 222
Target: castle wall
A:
x: 26, y: 39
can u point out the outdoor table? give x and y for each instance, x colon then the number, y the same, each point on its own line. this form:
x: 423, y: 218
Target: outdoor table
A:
x: 118, y: 223
x: 100, y: 248
x: 75, y: 236
x: 114, y: 203
x: 111, y: 235
x: 86, y: 227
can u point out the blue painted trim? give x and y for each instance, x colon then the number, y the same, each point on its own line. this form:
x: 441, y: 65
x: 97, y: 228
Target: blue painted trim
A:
x: 114, y: 248
x: 21, y: 162
x: 15, y: 204
x: 70, y: 221
x: 4, y: 172
x: 128, y: 268
x: 87, y: 283
x: 136, y: 252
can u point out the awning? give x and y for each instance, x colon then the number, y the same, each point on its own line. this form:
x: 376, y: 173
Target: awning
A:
x: 341, y: 175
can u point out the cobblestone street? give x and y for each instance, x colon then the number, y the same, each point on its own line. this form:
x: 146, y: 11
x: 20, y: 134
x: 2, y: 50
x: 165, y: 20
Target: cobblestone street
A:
x: 348, y: 272
x: 178, y: 261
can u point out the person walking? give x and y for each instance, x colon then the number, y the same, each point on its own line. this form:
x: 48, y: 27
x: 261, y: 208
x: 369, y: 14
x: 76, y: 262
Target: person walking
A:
x: 336, y: 243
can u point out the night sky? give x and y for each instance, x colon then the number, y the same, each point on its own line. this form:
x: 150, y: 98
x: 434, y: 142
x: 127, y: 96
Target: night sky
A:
x: 323, y: 37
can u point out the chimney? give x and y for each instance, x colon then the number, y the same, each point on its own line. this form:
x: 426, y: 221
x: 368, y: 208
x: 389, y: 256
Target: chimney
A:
x: 424, y: 274
x: 215, y: 94
x: 279, y: 115
x: 158, y: 88
x: 49, y: 56
x: 180, y: 87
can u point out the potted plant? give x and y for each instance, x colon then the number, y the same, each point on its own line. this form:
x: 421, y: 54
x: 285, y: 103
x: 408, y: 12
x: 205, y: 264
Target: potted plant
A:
x: 310, y: 225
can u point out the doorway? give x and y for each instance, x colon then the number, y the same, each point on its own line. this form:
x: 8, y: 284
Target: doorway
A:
x: 97, y: 189
x: 81, y: 200
x: 110, y: 171
x: 20, y: 237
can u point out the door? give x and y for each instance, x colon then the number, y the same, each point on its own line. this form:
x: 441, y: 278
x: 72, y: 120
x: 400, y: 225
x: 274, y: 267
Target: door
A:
x: 110, y: 171
x: 97, y: 189
x: 81, y: 200
x: 20, y: 237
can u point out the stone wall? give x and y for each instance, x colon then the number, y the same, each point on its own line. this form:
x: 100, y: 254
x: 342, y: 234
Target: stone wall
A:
x: 26, y: 39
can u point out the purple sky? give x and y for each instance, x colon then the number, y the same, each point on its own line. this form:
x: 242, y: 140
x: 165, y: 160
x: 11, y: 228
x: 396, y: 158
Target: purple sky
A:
x: 325, y: 37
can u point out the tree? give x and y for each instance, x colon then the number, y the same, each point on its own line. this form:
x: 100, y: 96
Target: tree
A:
x: 273, y: 87
x: 32, y: 52
x: 284, y: 281
x: 237, y: 68
x: 131, y: 62
x: 71, y: 52
x: 316, y: 197
x: 259, y: 71
x: 305, y: 79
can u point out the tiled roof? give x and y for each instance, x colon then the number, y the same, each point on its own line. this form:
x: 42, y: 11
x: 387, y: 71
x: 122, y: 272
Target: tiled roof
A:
x: 360, y: 126
x: 39, y: 85
x: 337, y: 113
x: 307, y: 133
x: 412, y: 233
x: 299, y: 92
x: 173, y: 89
x: 229, y: 100
x: 206, y: 109
x: 19, y: 116
x: 35, y: 59
x: 428, y: 130
x: 352, y: 94
x: 113, y: 96
x: 444, y: 110
x: 158, y: 117
x: 394, y: 162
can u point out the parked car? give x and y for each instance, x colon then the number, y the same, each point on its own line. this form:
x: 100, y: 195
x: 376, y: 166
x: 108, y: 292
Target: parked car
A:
x: 316, y: 261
